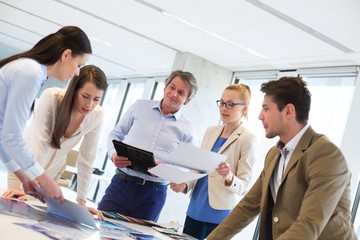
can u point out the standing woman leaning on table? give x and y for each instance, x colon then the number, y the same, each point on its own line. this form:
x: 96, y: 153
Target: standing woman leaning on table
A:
x: 61, y: 119
x: 59, y: 55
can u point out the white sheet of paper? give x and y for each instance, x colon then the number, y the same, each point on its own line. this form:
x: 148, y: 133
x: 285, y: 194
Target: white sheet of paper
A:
x: 71, y: 211
x: 190, y: 157
x: 174, y: 174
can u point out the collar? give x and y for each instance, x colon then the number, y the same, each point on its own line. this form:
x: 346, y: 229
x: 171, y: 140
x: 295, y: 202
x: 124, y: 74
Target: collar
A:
x: 176, y: 115
x: 294, y: 141
x: 44, y: 73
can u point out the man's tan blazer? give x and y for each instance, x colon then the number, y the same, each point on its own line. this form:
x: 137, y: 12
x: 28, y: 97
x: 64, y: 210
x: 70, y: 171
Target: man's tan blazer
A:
x: 313, y: 201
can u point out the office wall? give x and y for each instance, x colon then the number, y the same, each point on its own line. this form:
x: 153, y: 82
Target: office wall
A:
x: 212, y: 79
x: 202, y: 112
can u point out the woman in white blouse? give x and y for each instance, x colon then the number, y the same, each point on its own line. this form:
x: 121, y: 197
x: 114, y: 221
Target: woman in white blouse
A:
x: 61, y: 119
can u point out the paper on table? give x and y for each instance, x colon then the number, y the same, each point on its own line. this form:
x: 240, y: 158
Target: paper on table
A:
x: 191, y: 158
x: 71, y: 211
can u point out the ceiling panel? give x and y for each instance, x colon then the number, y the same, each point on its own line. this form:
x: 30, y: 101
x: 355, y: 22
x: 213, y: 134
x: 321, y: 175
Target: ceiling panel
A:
x: 137, y: 38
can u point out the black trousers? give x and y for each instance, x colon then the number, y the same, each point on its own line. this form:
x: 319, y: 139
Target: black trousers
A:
x: 268, y: 217
x: 268, y: 225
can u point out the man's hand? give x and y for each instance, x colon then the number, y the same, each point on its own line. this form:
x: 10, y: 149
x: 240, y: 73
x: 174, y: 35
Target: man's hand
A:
x: 120, y: 161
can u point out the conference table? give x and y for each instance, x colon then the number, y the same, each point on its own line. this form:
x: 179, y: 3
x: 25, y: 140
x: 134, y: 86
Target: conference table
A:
x: 30, y: 220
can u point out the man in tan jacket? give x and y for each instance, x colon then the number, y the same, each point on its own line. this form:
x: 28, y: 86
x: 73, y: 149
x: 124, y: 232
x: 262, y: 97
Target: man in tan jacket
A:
x: 303, y: 191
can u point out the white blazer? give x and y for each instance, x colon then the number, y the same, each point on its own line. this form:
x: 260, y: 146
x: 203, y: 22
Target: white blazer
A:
x: 241, y: 149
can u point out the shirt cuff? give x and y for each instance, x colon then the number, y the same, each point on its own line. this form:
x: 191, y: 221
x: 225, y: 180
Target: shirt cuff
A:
x: 111, y: 153
x: 34, y: 171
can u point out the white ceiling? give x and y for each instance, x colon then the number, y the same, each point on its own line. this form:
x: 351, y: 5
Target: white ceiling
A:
x: 142, y: 37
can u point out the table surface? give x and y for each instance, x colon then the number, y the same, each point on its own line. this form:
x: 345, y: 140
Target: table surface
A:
x: 11, y: 229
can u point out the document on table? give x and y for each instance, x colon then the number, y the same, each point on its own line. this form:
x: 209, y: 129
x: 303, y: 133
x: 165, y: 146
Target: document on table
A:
x: 188, y: 163
x: 71, y: 211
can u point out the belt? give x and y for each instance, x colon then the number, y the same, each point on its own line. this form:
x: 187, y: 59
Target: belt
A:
x: 137, y: 180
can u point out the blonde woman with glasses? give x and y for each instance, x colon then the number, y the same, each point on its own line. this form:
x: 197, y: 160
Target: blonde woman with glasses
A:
x: 214, y: 195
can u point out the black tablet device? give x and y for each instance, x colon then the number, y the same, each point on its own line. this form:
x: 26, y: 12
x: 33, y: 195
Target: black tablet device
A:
x: 141, y: 160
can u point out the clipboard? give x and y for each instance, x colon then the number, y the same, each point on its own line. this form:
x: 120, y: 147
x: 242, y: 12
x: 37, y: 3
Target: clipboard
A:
x: 141, y: 160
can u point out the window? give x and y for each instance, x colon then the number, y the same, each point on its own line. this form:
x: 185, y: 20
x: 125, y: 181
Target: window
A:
x: 111, y: 104
x: 119, y: 96
x: 331, y: 100
x: 159, y: 90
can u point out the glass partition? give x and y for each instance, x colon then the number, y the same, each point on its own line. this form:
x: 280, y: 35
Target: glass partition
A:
x: 118, y: 98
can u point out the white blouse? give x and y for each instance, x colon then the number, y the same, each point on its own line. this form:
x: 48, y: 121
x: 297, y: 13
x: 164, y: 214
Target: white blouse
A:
x: 37, y: 136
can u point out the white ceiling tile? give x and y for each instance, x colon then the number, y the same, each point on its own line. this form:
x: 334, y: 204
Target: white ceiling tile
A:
x: 132, y: 37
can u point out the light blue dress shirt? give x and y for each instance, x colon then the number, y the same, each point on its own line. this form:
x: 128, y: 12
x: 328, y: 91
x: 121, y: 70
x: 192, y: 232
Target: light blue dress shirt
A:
x: 144, y: 126
x: 20, y: 82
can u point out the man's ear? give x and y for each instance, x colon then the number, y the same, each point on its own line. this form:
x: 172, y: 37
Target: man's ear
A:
x: 290, y: 109
x: 187, y: 101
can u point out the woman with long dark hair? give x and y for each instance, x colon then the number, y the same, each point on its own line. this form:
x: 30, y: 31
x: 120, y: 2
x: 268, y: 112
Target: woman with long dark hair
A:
x: 59, y: 55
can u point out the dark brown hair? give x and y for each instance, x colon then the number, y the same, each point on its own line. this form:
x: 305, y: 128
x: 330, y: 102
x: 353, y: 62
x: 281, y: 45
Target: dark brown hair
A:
x: 88, y: 73
x: 290, y: 90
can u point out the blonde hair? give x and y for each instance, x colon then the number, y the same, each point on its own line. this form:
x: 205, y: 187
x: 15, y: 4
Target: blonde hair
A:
x: 244, y: 94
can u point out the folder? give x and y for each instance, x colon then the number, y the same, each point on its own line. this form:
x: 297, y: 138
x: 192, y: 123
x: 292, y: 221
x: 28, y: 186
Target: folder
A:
x: 141, y: 160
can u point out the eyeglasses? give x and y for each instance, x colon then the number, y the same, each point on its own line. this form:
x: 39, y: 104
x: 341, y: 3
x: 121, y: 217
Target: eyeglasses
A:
x: 228, y: 105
